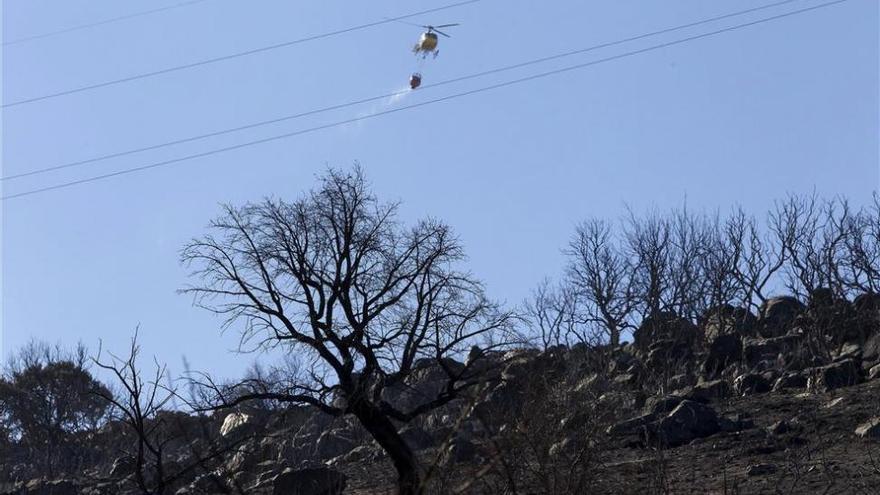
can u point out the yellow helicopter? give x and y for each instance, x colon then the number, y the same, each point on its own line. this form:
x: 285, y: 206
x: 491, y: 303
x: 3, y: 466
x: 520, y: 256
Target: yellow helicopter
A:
x: 428, y: 41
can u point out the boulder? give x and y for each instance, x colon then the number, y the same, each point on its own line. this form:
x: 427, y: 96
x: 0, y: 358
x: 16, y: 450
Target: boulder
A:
x: 835, y: 317
x: 688, y: 421
x: 758, y: 351
x: 664, y: 326
x: 789, y: 381
x: 427, y: 379
x: 848, y: 351
x: 835, y: 375
x: 709, y: 391
x: 750, y: 384
x: 801, y: 358
x: 176, y: 424
x: 548, y: 365
x: 727, y: 320
x: 236, y: 422
x: 871, y: 348
x: 867, y: 313
x: 869, y: 429
x: 242, y: 459
x: 874, y: 372
x: 867, y: 303
x: 474, y: 355
x: 625, y: 380
x: 667, y: 355
x: 777, y: 314
x: 662, y: 405
x: 309, y: 481
x: 724, y: 350
x: 633, y: 426
x: 333, y: 443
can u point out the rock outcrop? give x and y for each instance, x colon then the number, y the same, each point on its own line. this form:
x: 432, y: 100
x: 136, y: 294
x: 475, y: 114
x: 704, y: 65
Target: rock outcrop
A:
x: 680, y: 383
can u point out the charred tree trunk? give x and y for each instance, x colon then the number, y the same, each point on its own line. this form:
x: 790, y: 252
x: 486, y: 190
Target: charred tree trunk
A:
x: 385, y: 433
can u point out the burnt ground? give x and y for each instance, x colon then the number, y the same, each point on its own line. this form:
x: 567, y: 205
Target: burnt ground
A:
x: 819, y: 453
x: 815, y: 450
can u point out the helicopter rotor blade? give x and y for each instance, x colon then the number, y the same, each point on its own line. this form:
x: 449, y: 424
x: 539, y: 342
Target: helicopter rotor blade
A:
x: 445, y: 25
x: 441, y: 32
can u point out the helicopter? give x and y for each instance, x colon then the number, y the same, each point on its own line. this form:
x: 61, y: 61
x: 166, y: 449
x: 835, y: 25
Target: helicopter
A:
x: 428, y: 41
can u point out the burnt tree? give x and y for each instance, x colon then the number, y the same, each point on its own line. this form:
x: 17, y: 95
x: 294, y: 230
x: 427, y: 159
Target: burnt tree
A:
x: 335, y: 278
x: 601, y: 275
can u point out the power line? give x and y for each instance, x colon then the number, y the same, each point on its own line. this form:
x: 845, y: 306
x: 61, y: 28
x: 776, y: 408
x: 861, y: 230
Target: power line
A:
x: 224, y: 58
x: 102, y: 22
x: 389, y: 95
x: 424, y: 103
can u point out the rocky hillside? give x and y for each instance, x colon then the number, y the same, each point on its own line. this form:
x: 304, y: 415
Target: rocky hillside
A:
x: 782, y: 401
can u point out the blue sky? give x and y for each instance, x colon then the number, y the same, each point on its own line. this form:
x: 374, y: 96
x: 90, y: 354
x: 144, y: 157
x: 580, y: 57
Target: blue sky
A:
x: 744, y: 117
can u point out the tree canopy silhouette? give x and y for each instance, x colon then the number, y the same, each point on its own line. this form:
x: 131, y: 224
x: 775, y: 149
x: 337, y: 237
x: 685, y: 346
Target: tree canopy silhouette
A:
x: 362, y: 299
